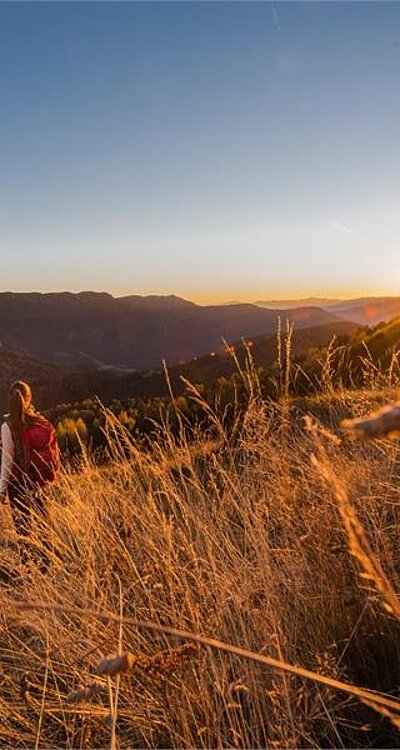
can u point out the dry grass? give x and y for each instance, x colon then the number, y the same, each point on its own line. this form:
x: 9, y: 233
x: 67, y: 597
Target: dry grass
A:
x: 237, y: 537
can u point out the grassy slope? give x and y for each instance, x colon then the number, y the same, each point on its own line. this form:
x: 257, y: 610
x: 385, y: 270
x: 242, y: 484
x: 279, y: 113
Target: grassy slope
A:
x: 383, y: 339
x: 234, y: 537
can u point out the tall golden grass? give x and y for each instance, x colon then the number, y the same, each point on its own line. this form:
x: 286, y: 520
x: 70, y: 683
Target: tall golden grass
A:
x: 235, y: 540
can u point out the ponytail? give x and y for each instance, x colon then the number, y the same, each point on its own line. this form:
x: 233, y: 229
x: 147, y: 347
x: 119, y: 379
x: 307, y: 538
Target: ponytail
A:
x: 20, y: 403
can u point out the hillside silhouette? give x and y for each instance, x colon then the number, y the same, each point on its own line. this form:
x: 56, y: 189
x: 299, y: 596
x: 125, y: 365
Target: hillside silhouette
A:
x: 95, y: 330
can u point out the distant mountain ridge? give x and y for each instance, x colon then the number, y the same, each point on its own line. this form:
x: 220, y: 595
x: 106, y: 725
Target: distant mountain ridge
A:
x: 97, y: 330
x: 370, y: 311
x: 362, y: 310
x: 287, y: 304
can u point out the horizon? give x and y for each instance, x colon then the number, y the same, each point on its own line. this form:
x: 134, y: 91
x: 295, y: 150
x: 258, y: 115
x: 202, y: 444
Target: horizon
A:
x: 212, y: 150
x: 306, y: 298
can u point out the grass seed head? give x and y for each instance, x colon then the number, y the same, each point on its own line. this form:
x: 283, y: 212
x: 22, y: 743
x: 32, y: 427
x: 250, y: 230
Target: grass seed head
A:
x: 114, y: 665
x: 85, y: 693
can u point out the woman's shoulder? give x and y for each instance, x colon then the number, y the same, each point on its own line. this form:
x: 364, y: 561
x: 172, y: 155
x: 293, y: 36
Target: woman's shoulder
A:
x: 35, y: 418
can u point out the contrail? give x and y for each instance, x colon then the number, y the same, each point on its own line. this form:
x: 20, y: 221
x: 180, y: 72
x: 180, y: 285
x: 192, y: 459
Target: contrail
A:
x: 275, y: 17
x: 340, y: 227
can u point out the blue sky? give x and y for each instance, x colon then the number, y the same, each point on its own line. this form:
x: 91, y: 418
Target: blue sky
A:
x: 215, y: 150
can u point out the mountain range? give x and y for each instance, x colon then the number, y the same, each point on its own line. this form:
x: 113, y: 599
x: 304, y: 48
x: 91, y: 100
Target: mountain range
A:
x: 361, y: 310
x: 95, y: 330
x: 75, y: 346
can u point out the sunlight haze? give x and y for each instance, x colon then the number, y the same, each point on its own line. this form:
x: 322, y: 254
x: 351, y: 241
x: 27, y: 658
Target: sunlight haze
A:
x: 214, y: 150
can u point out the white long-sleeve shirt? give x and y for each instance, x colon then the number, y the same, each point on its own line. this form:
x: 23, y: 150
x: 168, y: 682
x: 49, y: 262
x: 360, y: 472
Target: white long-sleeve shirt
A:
x: 7, y: 457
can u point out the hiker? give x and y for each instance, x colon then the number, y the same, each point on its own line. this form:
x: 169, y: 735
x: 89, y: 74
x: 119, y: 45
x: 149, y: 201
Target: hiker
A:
x: 30, y: 458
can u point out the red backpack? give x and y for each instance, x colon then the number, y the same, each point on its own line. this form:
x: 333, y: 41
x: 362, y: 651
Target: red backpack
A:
x: 41, y: 452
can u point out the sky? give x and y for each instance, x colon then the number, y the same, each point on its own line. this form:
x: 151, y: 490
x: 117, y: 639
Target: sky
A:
x: 215, y: 150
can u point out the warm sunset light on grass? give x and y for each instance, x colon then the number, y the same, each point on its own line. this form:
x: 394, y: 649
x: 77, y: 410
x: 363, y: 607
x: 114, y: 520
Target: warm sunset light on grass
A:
x: 199, y: 375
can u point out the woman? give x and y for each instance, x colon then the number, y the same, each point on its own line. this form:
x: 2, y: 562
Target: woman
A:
x: 30, y: 457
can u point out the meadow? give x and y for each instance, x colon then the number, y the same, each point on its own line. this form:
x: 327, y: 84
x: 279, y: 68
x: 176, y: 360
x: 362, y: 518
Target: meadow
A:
x: 270, y: 540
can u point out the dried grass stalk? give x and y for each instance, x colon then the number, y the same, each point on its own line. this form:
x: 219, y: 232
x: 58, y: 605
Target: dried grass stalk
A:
x: 382, y: 700
x: 359, y: 545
